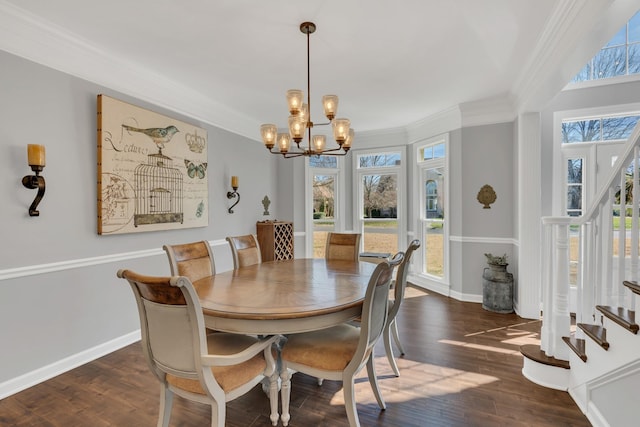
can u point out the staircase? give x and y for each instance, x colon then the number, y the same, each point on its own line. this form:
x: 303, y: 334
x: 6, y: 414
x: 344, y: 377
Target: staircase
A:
x: 589, y: 341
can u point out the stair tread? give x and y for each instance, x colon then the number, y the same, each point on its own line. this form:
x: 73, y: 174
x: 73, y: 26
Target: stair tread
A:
x: 577, y: 345
x: 633, y: 285
x: 596, y: 333
x: 533, y: 352
x: 620, y: 315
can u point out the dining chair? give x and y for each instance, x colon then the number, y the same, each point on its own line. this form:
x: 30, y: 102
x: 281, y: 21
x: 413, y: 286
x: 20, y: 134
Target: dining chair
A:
x: 193, y: 260
x: 245, y: 250
x: 342, y: 246
x: 340, y: 352
x: 207, y: 368
x: 391, y: 327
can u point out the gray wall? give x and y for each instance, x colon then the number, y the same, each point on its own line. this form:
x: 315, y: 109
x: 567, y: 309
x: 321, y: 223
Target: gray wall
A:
x: 482, y: 155
x: 59, y: 295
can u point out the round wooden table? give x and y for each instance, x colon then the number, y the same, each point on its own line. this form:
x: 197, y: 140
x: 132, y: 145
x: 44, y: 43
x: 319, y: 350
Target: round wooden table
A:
x: 283, y: 297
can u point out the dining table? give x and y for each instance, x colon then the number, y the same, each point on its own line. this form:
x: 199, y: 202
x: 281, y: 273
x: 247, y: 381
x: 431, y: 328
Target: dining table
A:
x: 284, y: 296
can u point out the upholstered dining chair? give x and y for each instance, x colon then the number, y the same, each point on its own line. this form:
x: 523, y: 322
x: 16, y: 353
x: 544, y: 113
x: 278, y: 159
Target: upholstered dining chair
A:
x: 193, y: 260
x: 207, y: 368
x: 342, y: 246
x: 391, y: 327
x: 245, y: 250
x: 340, y: 352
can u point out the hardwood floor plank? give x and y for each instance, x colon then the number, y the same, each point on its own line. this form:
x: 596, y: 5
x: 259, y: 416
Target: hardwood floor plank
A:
x: 462, y: 367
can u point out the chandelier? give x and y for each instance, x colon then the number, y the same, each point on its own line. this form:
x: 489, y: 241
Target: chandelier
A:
x: 300, y: 121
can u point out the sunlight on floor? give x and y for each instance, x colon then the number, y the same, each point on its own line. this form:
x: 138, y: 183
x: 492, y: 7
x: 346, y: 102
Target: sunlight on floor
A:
x: 412, y: 292
x: 437, y: 381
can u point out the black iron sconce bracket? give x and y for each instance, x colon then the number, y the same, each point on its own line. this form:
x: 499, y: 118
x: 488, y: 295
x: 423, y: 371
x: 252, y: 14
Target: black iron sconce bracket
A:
x: 232, y: 195
x: 32, y: 182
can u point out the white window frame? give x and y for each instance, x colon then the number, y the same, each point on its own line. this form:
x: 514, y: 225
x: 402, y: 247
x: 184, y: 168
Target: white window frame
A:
x: 401, y: 170
x: 421, y: 166
x: 587, y: 150
x: 339, y: 208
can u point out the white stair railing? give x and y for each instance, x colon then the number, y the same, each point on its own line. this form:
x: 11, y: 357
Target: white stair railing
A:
x: 600, y: 270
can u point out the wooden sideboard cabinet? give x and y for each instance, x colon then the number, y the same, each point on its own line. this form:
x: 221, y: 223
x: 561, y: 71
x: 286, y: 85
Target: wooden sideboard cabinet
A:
x: 275, y: 239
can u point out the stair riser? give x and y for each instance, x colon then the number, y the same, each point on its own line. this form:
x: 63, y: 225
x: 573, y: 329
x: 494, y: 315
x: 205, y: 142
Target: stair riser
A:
x: 624, y: 348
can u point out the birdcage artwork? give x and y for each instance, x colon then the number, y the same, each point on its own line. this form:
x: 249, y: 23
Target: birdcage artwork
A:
x: 152, y: 170
x: 158, y: 187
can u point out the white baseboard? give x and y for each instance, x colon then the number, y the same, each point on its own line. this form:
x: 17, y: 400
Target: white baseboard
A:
x: 442, y: 289
x: 32, y: 378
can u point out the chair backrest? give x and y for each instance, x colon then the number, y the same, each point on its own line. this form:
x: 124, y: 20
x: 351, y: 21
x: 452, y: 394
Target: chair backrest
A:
x: 245, y: 250
x: 342, y: 246
x: 193, y: 260
x: 401, y: 278
x: 171, y: 324
x: 375, y: 307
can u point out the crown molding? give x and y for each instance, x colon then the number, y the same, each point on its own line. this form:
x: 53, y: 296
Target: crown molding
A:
x: 381, y: 137
x: 435, y: 124
x: 28, y: 36
x: 488, y: 111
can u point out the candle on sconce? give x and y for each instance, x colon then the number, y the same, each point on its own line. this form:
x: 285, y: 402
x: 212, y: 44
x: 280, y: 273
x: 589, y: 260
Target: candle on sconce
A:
x: 36, y: 154
x: 234, y: 182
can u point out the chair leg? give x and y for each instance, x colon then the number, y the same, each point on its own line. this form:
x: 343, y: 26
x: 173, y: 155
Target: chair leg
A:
x: 218, y: 413
x: 285, y: 395
x: 373, y: 380
x: 396, y: 337
x: 350, y: 402
x: 273, y: 397
x: 166, y: 401
x: 386, y: 338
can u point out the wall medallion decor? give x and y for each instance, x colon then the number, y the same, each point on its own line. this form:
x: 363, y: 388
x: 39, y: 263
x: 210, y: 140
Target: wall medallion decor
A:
x: 152, y: 170
x: 486, y: 196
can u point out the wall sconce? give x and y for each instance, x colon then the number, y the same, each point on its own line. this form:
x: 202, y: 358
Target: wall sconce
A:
x: 36, y: 158
x: 233, y: 194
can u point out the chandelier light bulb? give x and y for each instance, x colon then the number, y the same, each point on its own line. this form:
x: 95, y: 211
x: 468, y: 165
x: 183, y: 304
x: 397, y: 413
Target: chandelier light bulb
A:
x: 341, y: 130
x: 330, y: 104
x: 347, y: 143
x: 284, y: 141
x: 319, y: 141
x: 268, y: 132
x: 294, y: 99
x: 297, y: 126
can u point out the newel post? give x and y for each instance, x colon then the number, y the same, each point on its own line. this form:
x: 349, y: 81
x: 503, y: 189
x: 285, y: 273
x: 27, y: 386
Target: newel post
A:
x: 556, y: 322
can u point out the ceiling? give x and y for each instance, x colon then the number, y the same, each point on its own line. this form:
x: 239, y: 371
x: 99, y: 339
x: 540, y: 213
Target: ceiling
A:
x: 391, y: 63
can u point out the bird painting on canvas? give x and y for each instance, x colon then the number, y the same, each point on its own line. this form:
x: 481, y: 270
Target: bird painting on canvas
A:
x: 160, y: 136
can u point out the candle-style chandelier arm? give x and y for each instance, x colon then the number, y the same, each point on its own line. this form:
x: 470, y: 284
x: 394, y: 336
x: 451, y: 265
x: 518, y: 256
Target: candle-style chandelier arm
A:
x: 300, y: 121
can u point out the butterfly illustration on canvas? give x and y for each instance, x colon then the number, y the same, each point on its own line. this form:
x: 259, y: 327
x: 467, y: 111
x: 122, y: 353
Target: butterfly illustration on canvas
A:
x: 194, y: 170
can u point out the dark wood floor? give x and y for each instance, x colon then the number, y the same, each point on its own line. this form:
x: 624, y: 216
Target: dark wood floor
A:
x: 462, y: 368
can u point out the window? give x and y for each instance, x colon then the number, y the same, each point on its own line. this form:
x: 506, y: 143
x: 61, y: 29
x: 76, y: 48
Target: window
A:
x: 431, y: 167
x: 611, y: 128
x: 431, y: 152
x: 588, y: 142
x: 432, y: 198
x: 621, y: 56
x: 379, y: 160
x: 574, y: 186
x: 323, y: 183
x: 379, y: 177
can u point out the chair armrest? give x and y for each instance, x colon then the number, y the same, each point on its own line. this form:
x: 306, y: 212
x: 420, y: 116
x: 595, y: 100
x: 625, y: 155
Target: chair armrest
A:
x: 235, y: 358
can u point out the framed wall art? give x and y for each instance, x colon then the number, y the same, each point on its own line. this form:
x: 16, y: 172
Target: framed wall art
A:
x: 152, y: 170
